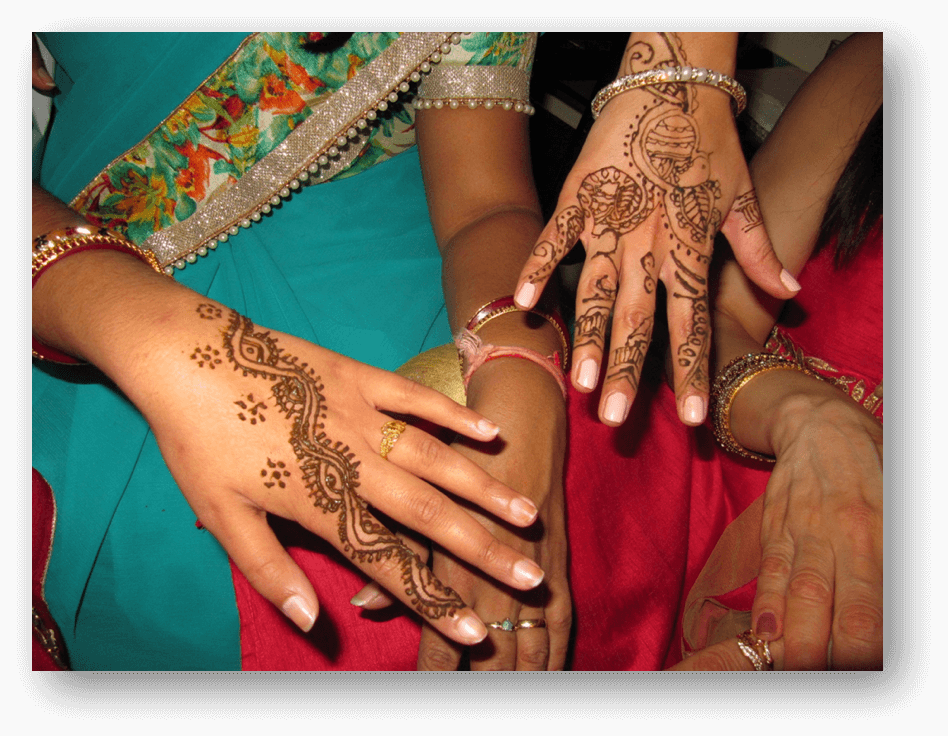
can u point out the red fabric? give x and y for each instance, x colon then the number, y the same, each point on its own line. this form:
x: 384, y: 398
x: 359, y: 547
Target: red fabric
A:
x: 46, y: 635
x: 647, y: 503
x: 343, y: 638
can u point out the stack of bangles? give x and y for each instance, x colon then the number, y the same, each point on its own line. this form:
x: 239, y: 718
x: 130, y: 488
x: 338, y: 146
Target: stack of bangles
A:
x: 54, y: 246
x: 672, y: 75
x: 737, y: 374
x: 474, y: 352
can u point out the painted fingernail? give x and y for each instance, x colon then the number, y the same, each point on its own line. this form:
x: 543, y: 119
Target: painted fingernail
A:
x: 470, y: 629
x: 300, y: 612
x: 365, y: 596
x: 694, y: 410
x: 616, y: 408
x: 588, y: 373
x: 525, y: 295
x: 791, y: 283
x: 523, y: 511
x: 766, y: 624
x: 528, y: 572
x: 44, y: 75
x: 488, y: 428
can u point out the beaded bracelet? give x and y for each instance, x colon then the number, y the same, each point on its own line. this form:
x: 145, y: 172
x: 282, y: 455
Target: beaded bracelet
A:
x: 58, y: 244
x: 474, y: 352
x: 506, y: 305
x: 737, y: 374
x: 671, y: 75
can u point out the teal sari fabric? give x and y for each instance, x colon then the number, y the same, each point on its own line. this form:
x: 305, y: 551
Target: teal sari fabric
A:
x: 351, y: 265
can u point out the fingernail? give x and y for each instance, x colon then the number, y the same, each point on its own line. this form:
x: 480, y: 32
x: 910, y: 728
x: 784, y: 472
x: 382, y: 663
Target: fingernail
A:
x: 44, y: 75
x: 694, y: 410
x: 364, y: 596
x: 616, y: 408
x: 488, y: 428
x: 791, y: 283
x: 300, y: 612
x: 588, y: 373
x: 528, y: 572
x: 471, y: 629
x: 523, y: 511
x: 766, y: 624
x: 525, y: 295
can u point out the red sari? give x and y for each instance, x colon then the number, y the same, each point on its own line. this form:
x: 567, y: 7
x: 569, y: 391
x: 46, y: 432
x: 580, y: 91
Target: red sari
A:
x: 647, y: 504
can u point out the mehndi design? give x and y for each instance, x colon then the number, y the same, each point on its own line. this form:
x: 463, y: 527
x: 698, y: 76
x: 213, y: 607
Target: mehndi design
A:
x: 329, y: 468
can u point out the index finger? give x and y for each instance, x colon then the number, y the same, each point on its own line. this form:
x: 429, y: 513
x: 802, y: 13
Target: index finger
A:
x: 557, y: 239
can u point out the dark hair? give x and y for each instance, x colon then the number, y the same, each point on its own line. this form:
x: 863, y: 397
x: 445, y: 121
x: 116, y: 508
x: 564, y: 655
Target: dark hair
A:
x: 326, y: 43
x: 855, y: 206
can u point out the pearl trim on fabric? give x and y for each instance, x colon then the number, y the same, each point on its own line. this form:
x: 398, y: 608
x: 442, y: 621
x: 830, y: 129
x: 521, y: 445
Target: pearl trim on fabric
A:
x: 328, y: 158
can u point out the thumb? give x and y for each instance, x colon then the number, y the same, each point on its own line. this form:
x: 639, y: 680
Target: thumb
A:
x: 744, y: 228
x: 268, y: 567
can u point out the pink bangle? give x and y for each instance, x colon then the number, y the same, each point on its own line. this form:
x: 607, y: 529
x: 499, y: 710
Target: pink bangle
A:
x: 475, y: 352
x: 506, y: 305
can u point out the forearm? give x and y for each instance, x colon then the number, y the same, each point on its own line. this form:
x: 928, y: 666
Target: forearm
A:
x: 715, y: 51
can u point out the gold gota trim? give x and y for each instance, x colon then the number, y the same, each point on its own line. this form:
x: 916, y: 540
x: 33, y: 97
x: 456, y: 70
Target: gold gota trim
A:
x: 327, y: 130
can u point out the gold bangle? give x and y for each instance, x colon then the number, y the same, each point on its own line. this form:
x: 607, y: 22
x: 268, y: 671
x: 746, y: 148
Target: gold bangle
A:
x: 672, y: 75
x: 506, y: 305
x: 735, y: 375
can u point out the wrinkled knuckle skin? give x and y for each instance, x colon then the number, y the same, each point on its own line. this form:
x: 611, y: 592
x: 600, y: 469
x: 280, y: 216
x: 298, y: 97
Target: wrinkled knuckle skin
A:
x: 808, y: 586
x: 860, y: 624
x: 774, y: 566
x: 559, y: 621
x: 632, y: 318
x: 492, y: 553
x: 427, y: 509
x: 860, y: 525
x: 428, y: 451
x: 437, y: 658
x: 534, y: 654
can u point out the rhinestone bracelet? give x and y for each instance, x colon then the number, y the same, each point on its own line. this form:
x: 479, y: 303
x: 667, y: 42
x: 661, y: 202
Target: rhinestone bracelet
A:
x: 737, y: 374
x: 672, y: 75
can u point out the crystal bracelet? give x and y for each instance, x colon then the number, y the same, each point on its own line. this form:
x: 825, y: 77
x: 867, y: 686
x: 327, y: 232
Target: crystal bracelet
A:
x: 672, y: 75
x: 737, y: 374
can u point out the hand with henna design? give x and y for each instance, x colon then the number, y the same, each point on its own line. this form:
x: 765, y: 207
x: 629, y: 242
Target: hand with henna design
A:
x: 661, y: 173
x: 201, y: 374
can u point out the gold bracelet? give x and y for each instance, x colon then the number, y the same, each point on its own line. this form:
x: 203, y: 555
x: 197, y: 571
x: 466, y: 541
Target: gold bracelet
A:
x: 506, y: 305
x: 737, y: 374
x: 58, y: 244
x: 672, y: 75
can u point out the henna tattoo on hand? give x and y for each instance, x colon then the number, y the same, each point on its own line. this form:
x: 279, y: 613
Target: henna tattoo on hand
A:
x: 569, y: 226
x: 277, y: 472
x: 627, y: 360
x: 254, y: 409
x: 648, y: 264
x: 749, y: 208
x: 206, y: 356
x: 693, y: 352
x: 329, y: 469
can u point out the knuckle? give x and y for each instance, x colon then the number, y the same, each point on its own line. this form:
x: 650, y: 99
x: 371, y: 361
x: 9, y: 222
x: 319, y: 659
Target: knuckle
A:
x: 429, y: 453
x: 492, y: 552
x: 535, y: 653
x: 559, y: 621
x: 775, y: 565
x: 811, y: 587
x: 427, y: 508
x: 437, y: 657
x: 860, y: 523
x: 631, y: 318
x: 861, y: 623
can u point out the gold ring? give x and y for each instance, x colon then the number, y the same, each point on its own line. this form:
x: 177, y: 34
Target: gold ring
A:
x: 391, y: 431
x: 524, y: 623
x: 756, y: 650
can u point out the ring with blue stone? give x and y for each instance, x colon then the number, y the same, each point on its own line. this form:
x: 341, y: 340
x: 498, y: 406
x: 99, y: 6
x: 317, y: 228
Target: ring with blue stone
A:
x: 524, y: 623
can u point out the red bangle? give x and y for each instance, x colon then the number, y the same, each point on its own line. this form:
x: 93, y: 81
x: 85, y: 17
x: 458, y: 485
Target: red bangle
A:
x: 474, y: 352
x: 59, y: 244
x: 506, y: 305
